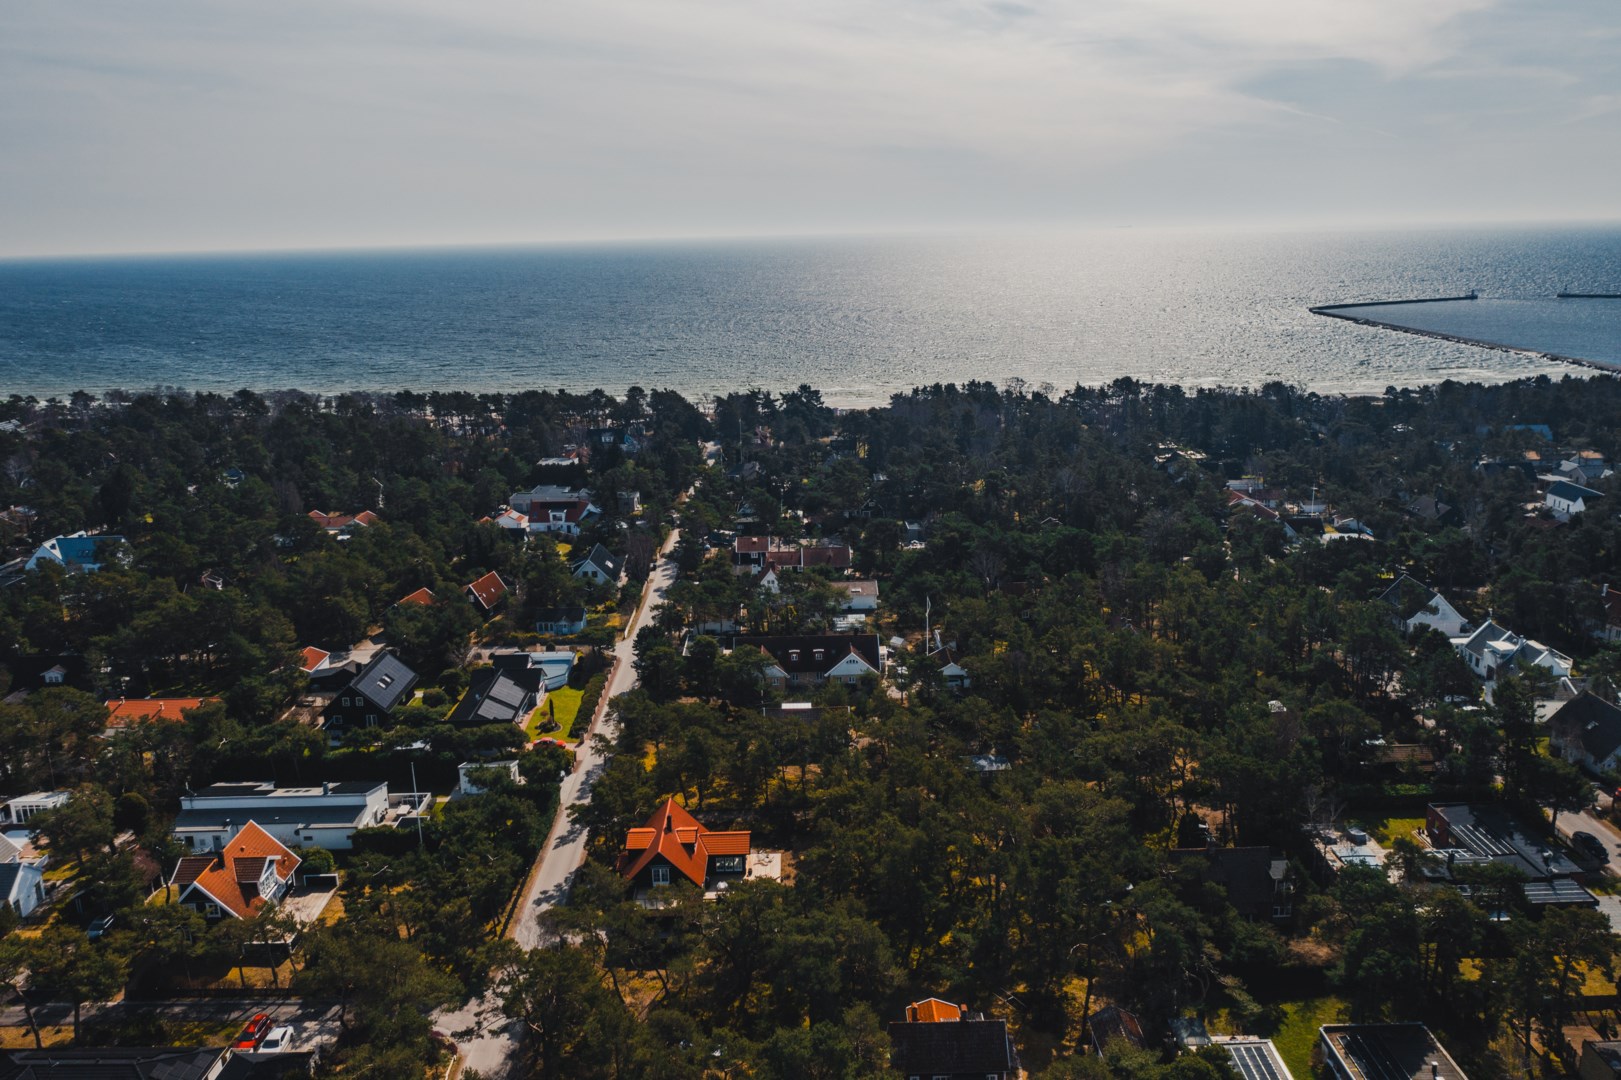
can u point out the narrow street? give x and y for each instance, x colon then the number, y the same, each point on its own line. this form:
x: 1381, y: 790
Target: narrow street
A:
x: 490, y: 1050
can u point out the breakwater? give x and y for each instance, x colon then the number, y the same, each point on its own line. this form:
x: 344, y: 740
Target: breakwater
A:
x: 1588, y: 296
x: 1345, y: 311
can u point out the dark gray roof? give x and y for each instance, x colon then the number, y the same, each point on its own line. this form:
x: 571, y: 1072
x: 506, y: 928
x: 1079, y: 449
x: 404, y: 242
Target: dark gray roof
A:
x: 497, y: 696
x: 834, y: 648
x: 9, y: 873
x: 1409, y: 596
x: 952, y: 1046
x: 385, y: 681
x: 1564, y: 489
x: 1592, y: 720
x: 1607, y: 1052
x: 605, y: 560
x: 1244, y: 872
x: 109, y: 1063
x: 1489, y: 832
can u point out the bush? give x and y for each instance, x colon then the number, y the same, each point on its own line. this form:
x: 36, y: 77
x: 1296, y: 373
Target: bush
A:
x: 317, y: 860
x: 588, y: 703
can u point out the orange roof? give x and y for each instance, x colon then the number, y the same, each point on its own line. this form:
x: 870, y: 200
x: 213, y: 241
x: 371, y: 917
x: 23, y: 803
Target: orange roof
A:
x: 932, y: 1011
x: 127, y: 711
x: 230, y: 877
x: 366, y: 517
x: 489, y: 589
x: 313, y: 658
x: 332, y: 522
x: 423, y: 595
x: 676, y: 836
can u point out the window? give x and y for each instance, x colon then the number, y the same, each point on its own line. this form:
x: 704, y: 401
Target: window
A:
x: 383, y: 681
x: 818, y: 654
x: 212, y: 911
x: 793, y: 656
x: 728, y: 864
x: 661, y: 875
x: 371, y: 719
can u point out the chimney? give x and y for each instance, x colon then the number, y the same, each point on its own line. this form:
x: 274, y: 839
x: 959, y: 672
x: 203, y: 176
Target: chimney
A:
x: 1435, y: 1070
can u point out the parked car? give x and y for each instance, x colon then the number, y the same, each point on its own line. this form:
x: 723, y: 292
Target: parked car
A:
x: 97, y: 929
x: 1590, y: 845
x: 253, y: 1033
x: 278, y: 1040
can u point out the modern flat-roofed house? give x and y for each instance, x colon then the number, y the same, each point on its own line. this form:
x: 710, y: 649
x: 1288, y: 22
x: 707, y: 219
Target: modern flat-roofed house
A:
x: 544, y: 671
x: 326, y: 816
x: 940, y: 1040
x: 1415, y: 605
x: 1464, y: 835
x: 1386, y: 1052
x: 674, y: 847
x: 1254, y: 1059
x: 251, y: 871
x: 370, y: 697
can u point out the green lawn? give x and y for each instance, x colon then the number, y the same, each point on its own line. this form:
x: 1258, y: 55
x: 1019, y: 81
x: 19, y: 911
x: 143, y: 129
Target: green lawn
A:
x: 566, y: 703
x: 1297, y: 1035
x: 1387, y: 829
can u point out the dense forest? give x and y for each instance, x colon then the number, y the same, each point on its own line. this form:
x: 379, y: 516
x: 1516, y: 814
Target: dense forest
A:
x: 1151, y: 668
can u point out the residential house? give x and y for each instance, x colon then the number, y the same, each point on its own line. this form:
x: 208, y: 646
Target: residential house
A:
x: 1601, y: 1060
x: 468, y: 774
x: 545, y: 671
x: 563, y: 621
x: 1464, y: 835
x: 124, y: 712
x: 41, y: 671
x: 753, y: 553
x: 600, y: 565
x: 1430, y: 509
x: 312, y: 660
x: 511, y: 520
x: 495, y: 696
x: 811, y: 660
x: 17, y: 810
x: 79, y: 552
x: 1112, y: 1025
x: 1566, y: 499
x: 9, y: 851
x: 861, y: 597
x: 1586, y: 731
x: 939, y: 1040
x: 326, y: 816
x: 22, y: 886
x: 673, y: 847
x: 1492, y: 651
x: 551, y: 508
x: 487, y: 592
x: 370, y: 697
x: 629, y: 503
x: 1415, y: 605
x: 343, y: 524
x: 423, y: 596
x: 1256, y: 881
x: 249, y: 872
x: 1611, y: 601
x: 1254, y: 1059
x: 1386, y: 1051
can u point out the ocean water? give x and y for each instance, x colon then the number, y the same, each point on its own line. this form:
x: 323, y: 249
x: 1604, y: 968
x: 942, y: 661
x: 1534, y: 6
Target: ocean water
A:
x: 1586, y: 328
x: 859, y: 318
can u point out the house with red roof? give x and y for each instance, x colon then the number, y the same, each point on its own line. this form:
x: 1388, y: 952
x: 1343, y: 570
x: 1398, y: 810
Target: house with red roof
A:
x: 342, y: 523
x: 252, y: 871
x: 312, y: 660
x: 487, y: 592
x: 123, y: 712
x: 422, y: 596
x: 674, y: 847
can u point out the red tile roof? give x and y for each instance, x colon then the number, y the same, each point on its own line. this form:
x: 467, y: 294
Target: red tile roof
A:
x: 333, y: 522
x: 126, y: 711
x: 933, y: 1011
x: 686, y: 845
x: 423, y: 595
x: 230, y: 877
x: 313, y: 658
x: 488, y: 590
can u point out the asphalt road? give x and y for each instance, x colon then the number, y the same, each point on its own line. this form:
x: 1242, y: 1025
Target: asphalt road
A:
x: 486, y: 1040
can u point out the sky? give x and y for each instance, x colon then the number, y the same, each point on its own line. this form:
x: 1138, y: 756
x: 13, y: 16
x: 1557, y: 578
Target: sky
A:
x: 190, y: 125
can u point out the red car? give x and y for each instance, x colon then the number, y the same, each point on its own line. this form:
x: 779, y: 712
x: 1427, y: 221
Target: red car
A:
x: 254, y: 1033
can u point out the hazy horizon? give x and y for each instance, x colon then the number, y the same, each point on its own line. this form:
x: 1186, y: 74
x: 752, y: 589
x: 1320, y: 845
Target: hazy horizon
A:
x: 183, y: 126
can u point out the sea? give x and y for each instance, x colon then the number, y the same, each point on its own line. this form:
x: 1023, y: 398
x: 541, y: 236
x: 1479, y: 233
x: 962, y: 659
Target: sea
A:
x: 859, y: 318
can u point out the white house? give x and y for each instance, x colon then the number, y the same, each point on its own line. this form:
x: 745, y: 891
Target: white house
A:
x: 22, y: 887
x: 859, y: 596
x: 811, y: 660
x: 326, y: 816
x: 1586, y: 730
x: 1493, y: 651
x: 1415, y: 605
x: 600, y: 565
x: 76, y: 551
x: 17, y: 811
x: 1565, y: 498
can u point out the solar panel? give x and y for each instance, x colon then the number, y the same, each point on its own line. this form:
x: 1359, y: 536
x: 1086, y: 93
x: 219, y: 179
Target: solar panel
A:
x: 1252, y: 1061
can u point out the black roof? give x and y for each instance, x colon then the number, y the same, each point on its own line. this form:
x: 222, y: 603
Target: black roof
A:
x: 385, y: 681
x: 1564, y: 489
x: 603, y: 558
x: 260, y: 1065
x: 1592, y: 720
x: 109, y: 1063
x: 834, y: 647
x: 496, y: 696
x: 560, y: 614
x: 1245, y: 872
x: 1409, y: 596
x: 951, y: 1046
